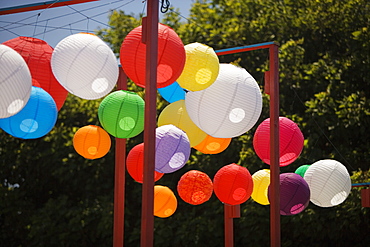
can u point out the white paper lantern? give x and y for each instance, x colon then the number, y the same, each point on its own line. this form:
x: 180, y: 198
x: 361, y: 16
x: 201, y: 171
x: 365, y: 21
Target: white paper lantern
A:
x: 85, y: 66
x: 329, y: 182
x: 229, y: 107
x: 15, y: 82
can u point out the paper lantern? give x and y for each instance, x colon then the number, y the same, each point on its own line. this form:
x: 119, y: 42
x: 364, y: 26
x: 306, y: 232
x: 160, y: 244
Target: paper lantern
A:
x: 172, y: 92
x: 165, y: 202
x: 201, y: 67
x: 291, y: 141
x: 261, y: 182
x: 37, y: 54
x: 176, y: 114
x: 233, y: 184
x: 172, y: 149
x: 329, y: 182
x: 135, y: 164
x: 294, y: 194
x: 301, y: 170
x: 35, y: 120
x: 171, y: 56
x: 85, y: 66
x: 91, y: 142
x: 15, y: 82
x: 121, y: 114
x: 213, y: 145
x: 229, y: 107
x: 195, y: 187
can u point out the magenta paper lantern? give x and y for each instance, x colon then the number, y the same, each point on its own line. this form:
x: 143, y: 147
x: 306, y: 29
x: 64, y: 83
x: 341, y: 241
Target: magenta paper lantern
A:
x: 291, y: 141
x: 172, y: 149
x: 294, y: 194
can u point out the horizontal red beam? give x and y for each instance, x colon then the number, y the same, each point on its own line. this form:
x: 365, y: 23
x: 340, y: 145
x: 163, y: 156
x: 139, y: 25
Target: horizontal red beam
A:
x: 40, y: 5
x: 245, y: 48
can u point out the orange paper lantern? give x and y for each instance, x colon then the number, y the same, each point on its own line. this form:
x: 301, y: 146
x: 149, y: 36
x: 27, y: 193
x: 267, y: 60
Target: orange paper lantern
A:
x: 135, y: 164
x: 195, y: 187
x: 213, y: 145
x: 91, y: 142
x: 233, y: 184
x: 165, y: 202
x: 171, y: 56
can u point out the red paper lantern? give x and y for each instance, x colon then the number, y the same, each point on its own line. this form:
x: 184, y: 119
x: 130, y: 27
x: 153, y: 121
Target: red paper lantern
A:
x: 233, y: 184
x: 291, y: 141
x: 135, y: 164
x: 171, y: 56
x: 37, y: 54
x: 195, y: 187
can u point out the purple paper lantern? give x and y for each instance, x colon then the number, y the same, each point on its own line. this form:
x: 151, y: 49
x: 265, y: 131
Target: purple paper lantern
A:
x: 294, y: 194
x: 172, y: 149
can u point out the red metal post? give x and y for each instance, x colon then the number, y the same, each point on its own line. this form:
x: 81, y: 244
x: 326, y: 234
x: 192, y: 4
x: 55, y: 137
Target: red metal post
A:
x: 230, y: 212
x: 119, y: 178
x: 274, y: 150
x: 151, y: 30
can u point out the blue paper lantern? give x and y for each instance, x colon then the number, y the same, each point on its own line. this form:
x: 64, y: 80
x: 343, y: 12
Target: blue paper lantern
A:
x: 35, y: 120
x: 172, y: 93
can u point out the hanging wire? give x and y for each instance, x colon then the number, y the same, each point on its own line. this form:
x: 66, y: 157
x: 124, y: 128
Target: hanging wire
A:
x: 43, y: 37
x: 165, y: 5
x: 34, y: 30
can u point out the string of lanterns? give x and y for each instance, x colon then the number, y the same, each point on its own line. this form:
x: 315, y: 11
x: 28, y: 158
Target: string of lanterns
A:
x: 209, y: 104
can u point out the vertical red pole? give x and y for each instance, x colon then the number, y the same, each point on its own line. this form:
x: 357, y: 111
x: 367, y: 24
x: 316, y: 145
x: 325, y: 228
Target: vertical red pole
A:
x: 119, y: 178
x: 274, y: 144
x: 151, y: 30
x: 230, y: 212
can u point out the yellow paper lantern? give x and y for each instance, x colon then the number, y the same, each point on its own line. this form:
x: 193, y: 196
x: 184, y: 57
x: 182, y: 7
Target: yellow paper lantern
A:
x: 201, y: 67
x: 261, y: 181
x: 165, y: 202
x: 176, y: 114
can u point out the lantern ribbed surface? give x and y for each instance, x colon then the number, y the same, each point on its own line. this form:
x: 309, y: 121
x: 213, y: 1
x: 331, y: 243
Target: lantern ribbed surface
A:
x: 201, y: 67
x: 172, y: 92
x: 233, y: 184
x: 15, y: 82
x: 85, y: 66
x: 301, y: 170
x: 35, y: 120
x: 195, y: 187
x: 135, y: 164
x: 121, y: 114
x: 329, y: 182
x: 291, y: 141
x: 229, y: 107
x: 261, y: 182
x: 171, y: 56
x: 172, y: 149
x: 294, y: 194
x: 176, y: 114
x: 91, y: 142
x: 213, y: 145
x: 165, y: 202
x: 37, y: 54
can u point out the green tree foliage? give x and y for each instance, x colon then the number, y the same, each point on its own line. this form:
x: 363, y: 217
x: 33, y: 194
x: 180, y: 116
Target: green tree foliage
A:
x: 50, y: 196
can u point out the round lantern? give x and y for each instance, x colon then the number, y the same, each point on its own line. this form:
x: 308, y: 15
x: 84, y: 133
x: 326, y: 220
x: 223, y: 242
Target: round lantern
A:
x: 172, y: 92
x: 329, y: 182
x: 294, y: 194
x: 85, y: 66
x: 213, y: 145
x: 35, y: 120
x: 165, y: 202
x: 291, y: 141
x: 171, y: 56
x: 121, y: 114
x: 261, y: 182
x: 229, y: 107
x: 172, y: 149
x: 301, y: 170
x: 91, y: 142
x: 176, y: 114
x: 37, y: 54
x: 195, y: 187
x: 201, y: 67
x: 15, y: 82
x: 233, y: 184
x: 135, y: 164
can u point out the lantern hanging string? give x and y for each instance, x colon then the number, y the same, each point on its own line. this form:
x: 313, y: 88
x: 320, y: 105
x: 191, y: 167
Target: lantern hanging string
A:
x: 34, y: 30
x: 43, y: 37
x: 165, y: 6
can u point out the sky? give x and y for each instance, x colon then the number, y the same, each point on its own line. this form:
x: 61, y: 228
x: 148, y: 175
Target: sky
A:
x: 54, y: 24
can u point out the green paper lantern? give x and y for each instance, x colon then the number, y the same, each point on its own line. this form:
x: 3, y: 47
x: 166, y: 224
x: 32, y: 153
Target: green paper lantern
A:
x: 302, y: 170
x: 121, y: 114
